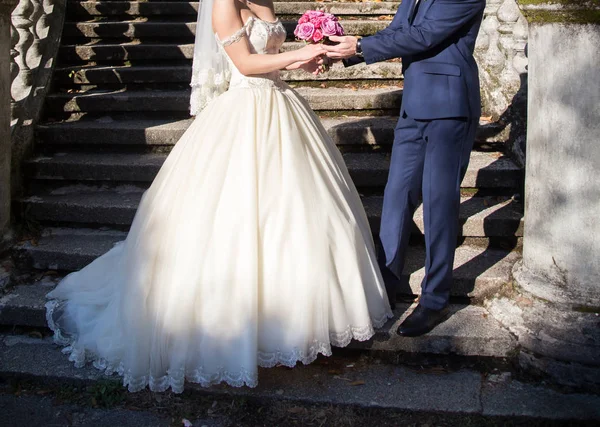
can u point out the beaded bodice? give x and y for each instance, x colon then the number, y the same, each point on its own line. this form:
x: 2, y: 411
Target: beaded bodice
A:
x: 264, y: 38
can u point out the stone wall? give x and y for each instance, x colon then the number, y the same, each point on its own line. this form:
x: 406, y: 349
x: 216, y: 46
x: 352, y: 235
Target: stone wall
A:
x: 6, y: 6
x: 554, y: 308
x: 35, y: 37
x: 502, y: 58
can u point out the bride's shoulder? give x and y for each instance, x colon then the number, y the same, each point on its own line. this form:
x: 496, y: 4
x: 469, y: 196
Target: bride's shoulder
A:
x: 227, y: 6
x: 226, y: 16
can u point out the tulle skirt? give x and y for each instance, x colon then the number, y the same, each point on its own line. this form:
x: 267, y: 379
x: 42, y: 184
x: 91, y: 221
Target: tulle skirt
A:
x: 251, y: 248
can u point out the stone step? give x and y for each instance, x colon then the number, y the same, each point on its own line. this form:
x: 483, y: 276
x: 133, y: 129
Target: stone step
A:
x: 469, y: 331
x: 486, y: 170
x: 142, y: 51
x: 89, y: 9
x: 478, y: 271
x: 176, y: 30
x: 106, y: 101
x: 70, y: 53
x: 377, y: 132
x: 99, y: 75
x: 480, y: 216
x: 359, y: 388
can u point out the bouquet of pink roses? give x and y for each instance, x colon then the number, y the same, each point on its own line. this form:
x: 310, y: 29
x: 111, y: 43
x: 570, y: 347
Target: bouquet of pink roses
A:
x: 315, y: 25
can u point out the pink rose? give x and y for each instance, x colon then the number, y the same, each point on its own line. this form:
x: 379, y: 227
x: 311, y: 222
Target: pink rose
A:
x: 317, y: 22
x: 331, y: 16
x: 339, y: 29
x: 303, y: 19
x: 304, y: 31
x: 312, y: 14
x: 317, y: 36
x: 330, y: 28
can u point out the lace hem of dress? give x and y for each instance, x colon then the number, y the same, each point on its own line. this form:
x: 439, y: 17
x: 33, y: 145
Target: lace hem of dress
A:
x: 175, y: 378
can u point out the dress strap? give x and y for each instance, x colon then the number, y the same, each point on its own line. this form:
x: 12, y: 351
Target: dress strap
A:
x: 238, y: 35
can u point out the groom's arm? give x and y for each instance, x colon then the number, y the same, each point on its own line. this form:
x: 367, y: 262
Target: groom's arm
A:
x: 442, y: 20
x: 395, y: 25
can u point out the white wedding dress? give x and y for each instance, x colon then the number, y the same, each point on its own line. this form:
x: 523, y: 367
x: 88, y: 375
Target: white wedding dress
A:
x: 251, y: 248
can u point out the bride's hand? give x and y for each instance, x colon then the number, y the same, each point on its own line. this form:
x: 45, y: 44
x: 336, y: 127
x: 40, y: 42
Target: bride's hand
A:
x: 313, y: 66
x: 309, y: 52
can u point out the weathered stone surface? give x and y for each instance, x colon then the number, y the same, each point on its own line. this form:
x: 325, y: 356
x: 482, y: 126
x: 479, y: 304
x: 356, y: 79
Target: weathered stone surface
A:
x: 486, y: 170
x: 571, y: 374
x: 387, y: 98
x: 501, y: 56
x: 24, y: 305
x: 468, y: 331
x: 504, y: 396
x: 36, y: 31
x: 68, y: 249
x: 345, y: 131
x: 563, y: 170
x: 479, y: 216
x: 71, y: 53
x: 44, y: 411
x: 5, y: 279
x: 6, y: 7
x: 555, y: 308
x: 571, y: 335
x: 181, y: 8
x: 170, y: 30
x: 478, y: 271
x: 134, y: 50
x: 98, y: 75
x: 385, y: 386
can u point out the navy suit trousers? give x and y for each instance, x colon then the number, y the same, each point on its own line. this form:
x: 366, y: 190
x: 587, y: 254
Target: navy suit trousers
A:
x: 429, y: 160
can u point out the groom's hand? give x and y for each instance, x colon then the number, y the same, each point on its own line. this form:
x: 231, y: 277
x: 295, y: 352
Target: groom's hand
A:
x: 345, y: 47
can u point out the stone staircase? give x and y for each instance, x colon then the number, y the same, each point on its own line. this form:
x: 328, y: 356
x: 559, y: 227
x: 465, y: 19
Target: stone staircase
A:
x: 120, y: 101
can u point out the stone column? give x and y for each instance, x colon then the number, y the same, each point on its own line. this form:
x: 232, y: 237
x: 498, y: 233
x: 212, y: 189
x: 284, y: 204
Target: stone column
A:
x: 6, y: 7
x: 554, y: 305
x: 500, y: 54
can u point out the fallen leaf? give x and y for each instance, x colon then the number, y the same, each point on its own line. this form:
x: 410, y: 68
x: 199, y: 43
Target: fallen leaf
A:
x: 358, y: 382
x: 437, y: 370
x: 320, y: 414
x: 50, y: 273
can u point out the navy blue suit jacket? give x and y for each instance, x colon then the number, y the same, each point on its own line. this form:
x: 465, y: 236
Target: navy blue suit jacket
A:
x: 440, y: 73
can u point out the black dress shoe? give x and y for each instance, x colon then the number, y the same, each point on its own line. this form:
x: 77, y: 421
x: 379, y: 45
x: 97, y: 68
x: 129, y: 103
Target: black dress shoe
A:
x: 421, y: 321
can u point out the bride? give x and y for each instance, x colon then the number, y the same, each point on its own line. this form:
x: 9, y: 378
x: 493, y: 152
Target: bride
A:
x: 251, y: 247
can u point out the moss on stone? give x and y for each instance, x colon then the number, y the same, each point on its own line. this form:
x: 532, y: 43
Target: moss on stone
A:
x: 572, y: 12
x: 566, y: 17
x: 562, y: 2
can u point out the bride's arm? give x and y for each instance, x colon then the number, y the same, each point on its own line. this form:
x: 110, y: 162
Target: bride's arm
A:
x: 227, y: 21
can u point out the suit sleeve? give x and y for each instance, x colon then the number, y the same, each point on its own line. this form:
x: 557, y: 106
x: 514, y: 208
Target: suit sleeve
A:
x: 395, y: 25
x: 441, y: 21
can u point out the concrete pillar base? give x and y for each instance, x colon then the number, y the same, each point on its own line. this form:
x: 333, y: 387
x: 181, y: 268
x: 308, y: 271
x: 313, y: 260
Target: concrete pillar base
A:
x: 558, y: 336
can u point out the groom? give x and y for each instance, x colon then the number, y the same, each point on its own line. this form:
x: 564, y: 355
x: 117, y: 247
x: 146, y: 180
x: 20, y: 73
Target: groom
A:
x: 433, y: 138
